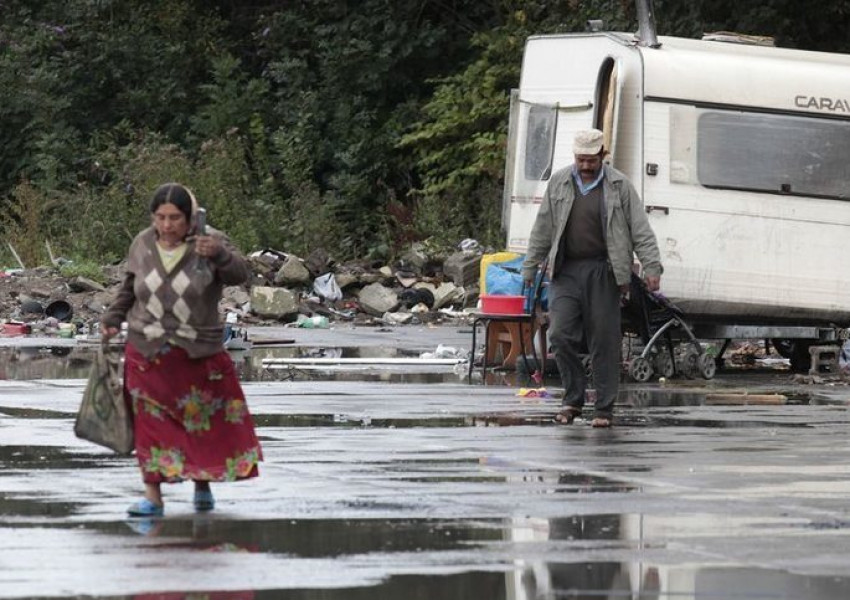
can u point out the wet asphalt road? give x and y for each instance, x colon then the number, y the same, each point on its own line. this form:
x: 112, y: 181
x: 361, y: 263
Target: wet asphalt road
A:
x: 380, y: 487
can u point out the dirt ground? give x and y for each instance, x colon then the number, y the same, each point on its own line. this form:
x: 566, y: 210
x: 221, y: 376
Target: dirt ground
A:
x: 37, y: 297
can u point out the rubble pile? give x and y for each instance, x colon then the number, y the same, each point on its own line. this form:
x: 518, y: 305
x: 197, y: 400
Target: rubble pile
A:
x: 306, y: 292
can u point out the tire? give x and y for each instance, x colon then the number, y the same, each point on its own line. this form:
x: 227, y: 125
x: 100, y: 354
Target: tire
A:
x: 796, y: 351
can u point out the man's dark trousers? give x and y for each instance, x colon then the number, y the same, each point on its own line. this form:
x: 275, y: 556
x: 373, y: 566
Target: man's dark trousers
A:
x: 584, y: 301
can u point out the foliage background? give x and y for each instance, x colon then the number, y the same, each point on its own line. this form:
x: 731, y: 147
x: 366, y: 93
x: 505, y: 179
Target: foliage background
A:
x: 358, y: 126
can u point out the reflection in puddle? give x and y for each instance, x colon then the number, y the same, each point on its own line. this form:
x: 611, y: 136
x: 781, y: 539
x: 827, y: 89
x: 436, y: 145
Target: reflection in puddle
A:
x: 340, y: 420
x: 521, y: 558
x: 30, y: 363
x: 33, y: 363
x: 313, y: 538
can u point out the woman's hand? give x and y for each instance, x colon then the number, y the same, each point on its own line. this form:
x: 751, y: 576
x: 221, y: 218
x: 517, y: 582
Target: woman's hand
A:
x: 207, y: 246
x: 107, y: 331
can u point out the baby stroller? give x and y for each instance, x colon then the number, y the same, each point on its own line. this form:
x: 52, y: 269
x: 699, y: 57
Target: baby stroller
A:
x: 659, y: 326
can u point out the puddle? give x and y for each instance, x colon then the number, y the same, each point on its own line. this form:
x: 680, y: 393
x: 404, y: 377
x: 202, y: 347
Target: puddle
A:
x: 35, y: 413
x: 32, y: 507
x: 320, y: 538
x: 520, y: 558
x: 555, y: 581
x: 28, y: 458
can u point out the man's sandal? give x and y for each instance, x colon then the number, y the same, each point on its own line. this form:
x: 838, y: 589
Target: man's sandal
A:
x: 145, y: 508
x: 567, y: 415
x: 601, y: 422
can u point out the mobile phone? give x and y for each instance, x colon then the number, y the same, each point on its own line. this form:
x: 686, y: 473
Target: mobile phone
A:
x: 201, y: 221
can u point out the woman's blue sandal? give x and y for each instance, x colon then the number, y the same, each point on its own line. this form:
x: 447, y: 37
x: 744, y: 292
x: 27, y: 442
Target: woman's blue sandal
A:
x: 204, y: 501
x: 145, y: 508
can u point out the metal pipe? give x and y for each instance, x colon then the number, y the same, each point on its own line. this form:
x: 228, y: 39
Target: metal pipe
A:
x: 647, y: 35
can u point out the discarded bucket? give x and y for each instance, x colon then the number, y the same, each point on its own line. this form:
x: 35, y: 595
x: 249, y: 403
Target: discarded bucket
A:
x: 59, y: 309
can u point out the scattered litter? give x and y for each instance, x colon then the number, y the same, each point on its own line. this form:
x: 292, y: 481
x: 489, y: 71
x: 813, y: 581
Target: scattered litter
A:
x: 445, y: 352
x: 327, y: 287
x: 397, y: 318
x: 314, y: 322
x: 346, y: 314
x: 533, y: 393
x: 14, y: 329
x: 743, y: 399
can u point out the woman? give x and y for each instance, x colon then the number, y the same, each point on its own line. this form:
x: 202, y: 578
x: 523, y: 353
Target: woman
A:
x: 190, y: 416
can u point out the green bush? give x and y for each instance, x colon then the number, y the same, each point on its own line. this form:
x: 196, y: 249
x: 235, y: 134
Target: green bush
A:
x: 88, y: 269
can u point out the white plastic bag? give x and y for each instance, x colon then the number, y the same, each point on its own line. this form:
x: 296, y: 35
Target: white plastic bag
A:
x: 327, y: 287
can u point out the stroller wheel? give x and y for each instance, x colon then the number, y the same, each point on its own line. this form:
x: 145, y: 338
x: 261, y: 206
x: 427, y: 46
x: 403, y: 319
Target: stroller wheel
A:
x: 707, y: 366
x: 664, y: 365
x: 690, y: 364
x: 640, y: 369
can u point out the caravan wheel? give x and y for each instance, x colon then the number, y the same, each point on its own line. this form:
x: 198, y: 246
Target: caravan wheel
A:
x: 796, y: 351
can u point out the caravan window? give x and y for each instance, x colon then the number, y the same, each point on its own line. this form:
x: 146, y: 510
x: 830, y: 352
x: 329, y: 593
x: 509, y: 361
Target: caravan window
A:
x: 540, y: 141
x: 774, y: 153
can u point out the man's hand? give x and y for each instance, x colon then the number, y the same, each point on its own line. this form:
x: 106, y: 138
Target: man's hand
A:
x: 653, y: 283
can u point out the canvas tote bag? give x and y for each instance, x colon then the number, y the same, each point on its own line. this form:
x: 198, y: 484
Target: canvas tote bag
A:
x: 104, y: 417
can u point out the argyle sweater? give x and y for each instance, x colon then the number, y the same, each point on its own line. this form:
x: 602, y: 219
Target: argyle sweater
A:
x: 179, y: 307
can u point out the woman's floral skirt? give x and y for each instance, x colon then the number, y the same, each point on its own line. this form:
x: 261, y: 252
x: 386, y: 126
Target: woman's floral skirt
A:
x: 191, y: 418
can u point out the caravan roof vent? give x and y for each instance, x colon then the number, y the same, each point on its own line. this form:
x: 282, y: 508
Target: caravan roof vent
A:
x: 739, y: 38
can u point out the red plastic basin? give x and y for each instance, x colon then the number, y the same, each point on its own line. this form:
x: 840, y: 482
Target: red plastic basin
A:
x: 502, y: 305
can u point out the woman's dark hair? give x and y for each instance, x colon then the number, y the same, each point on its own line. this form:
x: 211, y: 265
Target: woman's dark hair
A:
x: 176, y: 194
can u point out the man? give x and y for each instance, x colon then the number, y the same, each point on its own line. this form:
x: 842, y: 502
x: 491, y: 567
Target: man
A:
x: 590, y: 225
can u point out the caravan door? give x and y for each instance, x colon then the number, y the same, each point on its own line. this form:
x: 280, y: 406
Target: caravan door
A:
x: 568, y: 83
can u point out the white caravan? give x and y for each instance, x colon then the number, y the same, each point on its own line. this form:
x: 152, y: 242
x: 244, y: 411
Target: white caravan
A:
x: 741, y: 153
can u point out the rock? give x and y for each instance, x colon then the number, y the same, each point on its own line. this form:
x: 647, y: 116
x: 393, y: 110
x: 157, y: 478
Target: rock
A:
x: 463, y: 268
x: 446, y: 294
x: 406, y: 278
x: 371, y: 277
x: 292, y: 272
x: 346, y: 278
x: 415, y: 258
x: 318, y: 262
x: 36, y: 291
x: 265, y: 264
x: 273, y: 302
x: 236, y: 295
x: 94, y: 306
x: 84, y: 284
x: 376, y: 300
